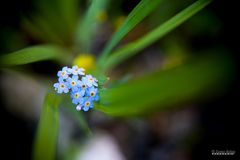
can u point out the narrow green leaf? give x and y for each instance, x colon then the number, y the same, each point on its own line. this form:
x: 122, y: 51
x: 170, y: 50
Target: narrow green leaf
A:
x: 79, y: 116
x: 89, y: 24
x: 200, y: 78
x: 144, y: 8
x: 69, y: 12
x: 133, y: 48
x: 82, y: 123
x: 47, y: 132
x: 34, y: 54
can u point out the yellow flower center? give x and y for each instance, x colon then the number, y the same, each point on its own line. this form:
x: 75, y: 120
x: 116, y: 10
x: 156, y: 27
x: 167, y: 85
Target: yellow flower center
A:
x: 63, y: 73
x: 92, y: 93
x: 76, y: 95
x: 87, y: 103
x: 62, y: 85
x: 83, y: 86
x: 73, y: 83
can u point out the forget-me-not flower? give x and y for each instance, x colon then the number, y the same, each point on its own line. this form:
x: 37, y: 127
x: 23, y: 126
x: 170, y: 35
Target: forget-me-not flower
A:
x: 61, y: 86
x: 83, y: 84
x: 77, y: 97
x: 92, y: 92
x: 73, y: 83
x: 63, y: 73
x: 75, y: 70
x: 90, y: 81
x: 83, y: 89
x: 88, y: 103
x: 78, y: 107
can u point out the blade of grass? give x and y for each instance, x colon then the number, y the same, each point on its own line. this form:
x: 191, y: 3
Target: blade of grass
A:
x: 69, y: 12
x: 202, y: 77
x: 47, y: 132
x: 133, y: 48
x: 79, y: 117
x: 89, y: 24
x: 34, y: 54
x: 81, y: 121
x: 144, y: 8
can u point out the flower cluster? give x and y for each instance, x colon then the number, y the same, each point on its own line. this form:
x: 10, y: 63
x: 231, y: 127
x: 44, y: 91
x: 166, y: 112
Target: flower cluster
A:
x: 82, y: 88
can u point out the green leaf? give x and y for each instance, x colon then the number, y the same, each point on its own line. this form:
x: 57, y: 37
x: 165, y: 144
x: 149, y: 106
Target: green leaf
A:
x: 200, y: 78
x: 134, y: 47
x: 87, y: 27
x: 78, y: 116
x: 47, y: 132
x: 34, y: 54
x: 69, y: 12
x: 144, y: 8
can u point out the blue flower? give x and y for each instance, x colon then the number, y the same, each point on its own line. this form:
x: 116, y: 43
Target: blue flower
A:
x: 88, y: 103
x: 92, y: 92
x: 77, y: 97
x: 77, y: 71
x: 78, y: 107
x: 83, y: 84
x: 61, y: 86
x: 83, y: 89
x: 90, y: 80
x: 73, y: 83
x: 63, y: 73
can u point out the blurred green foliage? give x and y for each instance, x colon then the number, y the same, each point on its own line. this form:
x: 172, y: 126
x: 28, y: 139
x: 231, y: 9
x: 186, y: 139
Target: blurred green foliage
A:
x: 47, y: 133
x: 134, y: 47
x: 54, y: 21
x: 198, y: 78
x: 87, y: 27
x: 144, y: 8
x: 34, y: 54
